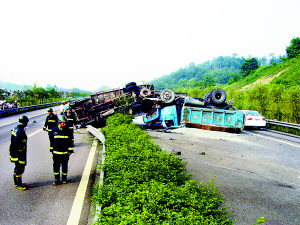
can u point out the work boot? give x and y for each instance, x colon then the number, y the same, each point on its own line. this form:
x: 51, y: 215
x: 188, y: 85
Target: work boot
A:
x: 20, y: 186
x: 57, y: 180
x: 64, y: 179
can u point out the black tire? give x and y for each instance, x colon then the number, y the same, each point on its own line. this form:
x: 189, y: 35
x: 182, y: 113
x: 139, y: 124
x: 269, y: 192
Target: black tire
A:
x: 130, y: 84
x: 130, y: 88
x: 218, y: 96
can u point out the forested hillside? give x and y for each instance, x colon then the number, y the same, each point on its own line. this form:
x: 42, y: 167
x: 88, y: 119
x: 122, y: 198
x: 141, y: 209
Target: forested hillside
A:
x: 221, y: 70
x: 273, y: 90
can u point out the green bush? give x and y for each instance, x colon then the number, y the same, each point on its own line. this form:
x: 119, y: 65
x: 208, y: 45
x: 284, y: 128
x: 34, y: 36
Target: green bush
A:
x: 145, y: 185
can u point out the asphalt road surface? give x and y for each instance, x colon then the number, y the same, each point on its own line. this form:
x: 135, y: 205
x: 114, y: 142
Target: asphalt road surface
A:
x: 43, y: 203
x: 257, y: 171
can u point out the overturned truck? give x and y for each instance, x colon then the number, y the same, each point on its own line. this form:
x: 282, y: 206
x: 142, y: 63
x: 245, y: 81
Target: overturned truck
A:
x: 163, y: 108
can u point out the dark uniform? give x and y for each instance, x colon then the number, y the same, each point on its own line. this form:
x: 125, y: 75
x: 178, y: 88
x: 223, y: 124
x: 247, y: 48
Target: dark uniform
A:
x: 70, y: 123
x: 18, y: 151
x: 62, y: 149
x: 50, y: 123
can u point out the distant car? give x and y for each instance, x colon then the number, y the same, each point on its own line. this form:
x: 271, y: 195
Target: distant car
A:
x: 254, y: 119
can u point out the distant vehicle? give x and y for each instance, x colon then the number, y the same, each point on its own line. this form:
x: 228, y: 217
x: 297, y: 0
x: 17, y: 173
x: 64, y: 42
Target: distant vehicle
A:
x: 254, y: 119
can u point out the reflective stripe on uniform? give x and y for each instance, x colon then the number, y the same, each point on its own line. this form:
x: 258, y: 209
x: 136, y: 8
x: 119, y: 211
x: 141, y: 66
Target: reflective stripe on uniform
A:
x: 13, y: 159
x: 60, y: 153
x: 14, y: 133
x: 51, y: 121
x: 70, y: 119
x: 65, y: 174
x: 22, y: 162
x: 71, y: 127
x: 56, y: 173
x: 49, y: 129
x: 71, y: 148
x: 60, y: 136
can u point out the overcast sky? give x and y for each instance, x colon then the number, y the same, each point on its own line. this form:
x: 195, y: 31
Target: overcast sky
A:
x: 87, y: 44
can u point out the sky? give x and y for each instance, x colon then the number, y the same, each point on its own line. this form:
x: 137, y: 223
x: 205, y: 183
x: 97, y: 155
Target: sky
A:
x: 88, y: 44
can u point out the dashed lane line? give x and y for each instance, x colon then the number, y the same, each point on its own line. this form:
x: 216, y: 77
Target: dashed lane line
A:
x: 74, y: 216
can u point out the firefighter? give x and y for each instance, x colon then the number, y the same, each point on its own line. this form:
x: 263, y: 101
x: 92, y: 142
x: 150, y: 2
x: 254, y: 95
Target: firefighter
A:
x: 71, y: 123
x: 62, y: 149
x: 18, y: 151
x: 50, y: 123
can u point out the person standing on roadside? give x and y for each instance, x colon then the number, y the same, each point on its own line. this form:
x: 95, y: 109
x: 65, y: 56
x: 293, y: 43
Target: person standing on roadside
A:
x: 63, y: 108
x: 70, y: 123
x: 18, y: 151
x: 62, y: 149
x: 50, y: 123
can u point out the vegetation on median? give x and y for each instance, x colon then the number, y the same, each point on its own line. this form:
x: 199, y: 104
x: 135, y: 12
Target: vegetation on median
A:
x: 145, y: 185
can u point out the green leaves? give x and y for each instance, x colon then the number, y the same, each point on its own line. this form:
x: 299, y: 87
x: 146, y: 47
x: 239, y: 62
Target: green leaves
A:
x: 145, y: 185
x: 248, y: 66
x: 293, y: 50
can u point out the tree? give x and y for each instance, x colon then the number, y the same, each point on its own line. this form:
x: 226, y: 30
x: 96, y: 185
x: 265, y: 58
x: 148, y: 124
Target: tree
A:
x: 293, y: 50
x: 248, y: 66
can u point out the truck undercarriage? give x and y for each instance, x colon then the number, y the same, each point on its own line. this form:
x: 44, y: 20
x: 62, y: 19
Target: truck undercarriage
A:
x: 165, y: 108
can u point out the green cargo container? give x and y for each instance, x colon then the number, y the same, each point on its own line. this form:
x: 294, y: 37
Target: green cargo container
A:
x: 212, y: 119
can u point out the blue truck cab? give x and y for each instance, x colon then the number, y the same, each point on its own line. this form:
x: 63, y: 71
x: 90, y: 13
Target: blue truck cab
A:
x: 167, y: 117
x: 204, y: 118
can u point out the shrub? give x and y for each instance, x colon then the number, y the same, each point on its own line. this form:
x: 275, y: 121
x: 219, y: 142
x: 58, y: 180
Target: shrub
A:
x: 145, y: 185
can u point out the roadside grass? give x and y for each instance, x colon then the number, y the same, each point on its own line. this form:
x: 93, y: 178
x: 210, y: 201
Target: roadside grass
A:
x: 145, y: 185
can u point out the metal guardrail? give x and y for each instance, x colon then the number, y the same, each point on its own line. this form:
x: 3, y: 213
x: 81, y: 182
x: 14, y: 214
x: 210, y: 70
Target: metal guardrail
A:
x: 96, y: 132
x: 284, y: 124
x: 27, y: 108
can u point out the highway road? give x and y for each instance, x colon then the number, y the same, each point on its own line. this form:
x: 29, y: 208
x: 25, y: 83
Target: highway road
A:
x: 258, y: 171
x: 43, y: 203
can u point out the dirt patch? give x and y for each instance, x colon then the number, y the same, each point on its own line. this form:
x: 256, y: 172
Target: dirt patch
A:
x: 263, y: 80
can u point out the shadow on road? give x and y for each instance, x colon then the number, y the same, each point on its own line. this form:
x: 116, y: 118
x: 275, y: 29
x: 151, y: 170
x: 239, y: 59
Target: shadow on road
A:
x: 72, y: 179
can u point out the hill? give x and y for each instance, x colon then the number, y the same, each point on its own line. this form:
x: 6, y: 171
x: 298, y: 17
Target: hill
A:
x: 220, y: 70
x: 13, y: 87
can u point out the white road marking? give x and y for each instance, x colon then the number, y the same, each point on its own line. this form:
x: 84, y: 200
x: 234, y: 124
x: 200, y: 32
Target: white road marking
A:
x: 297, y: 146
x: 34, y: 133
x: 2, y: 125
x: 74, y: 216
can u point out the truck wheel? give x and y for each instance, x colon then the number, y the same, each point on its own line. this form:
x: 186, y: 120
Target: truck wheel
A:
x: 218, y: 96
x: 145, y: 92
x: 130, y: 84
x: 130, y: 87
x: 167, y: 96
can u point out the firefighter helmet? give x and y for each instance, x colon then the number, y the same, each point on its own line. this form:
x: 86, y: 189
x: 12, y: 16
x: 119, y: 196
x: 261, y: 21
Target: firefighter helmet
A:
x: 23, y: 120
